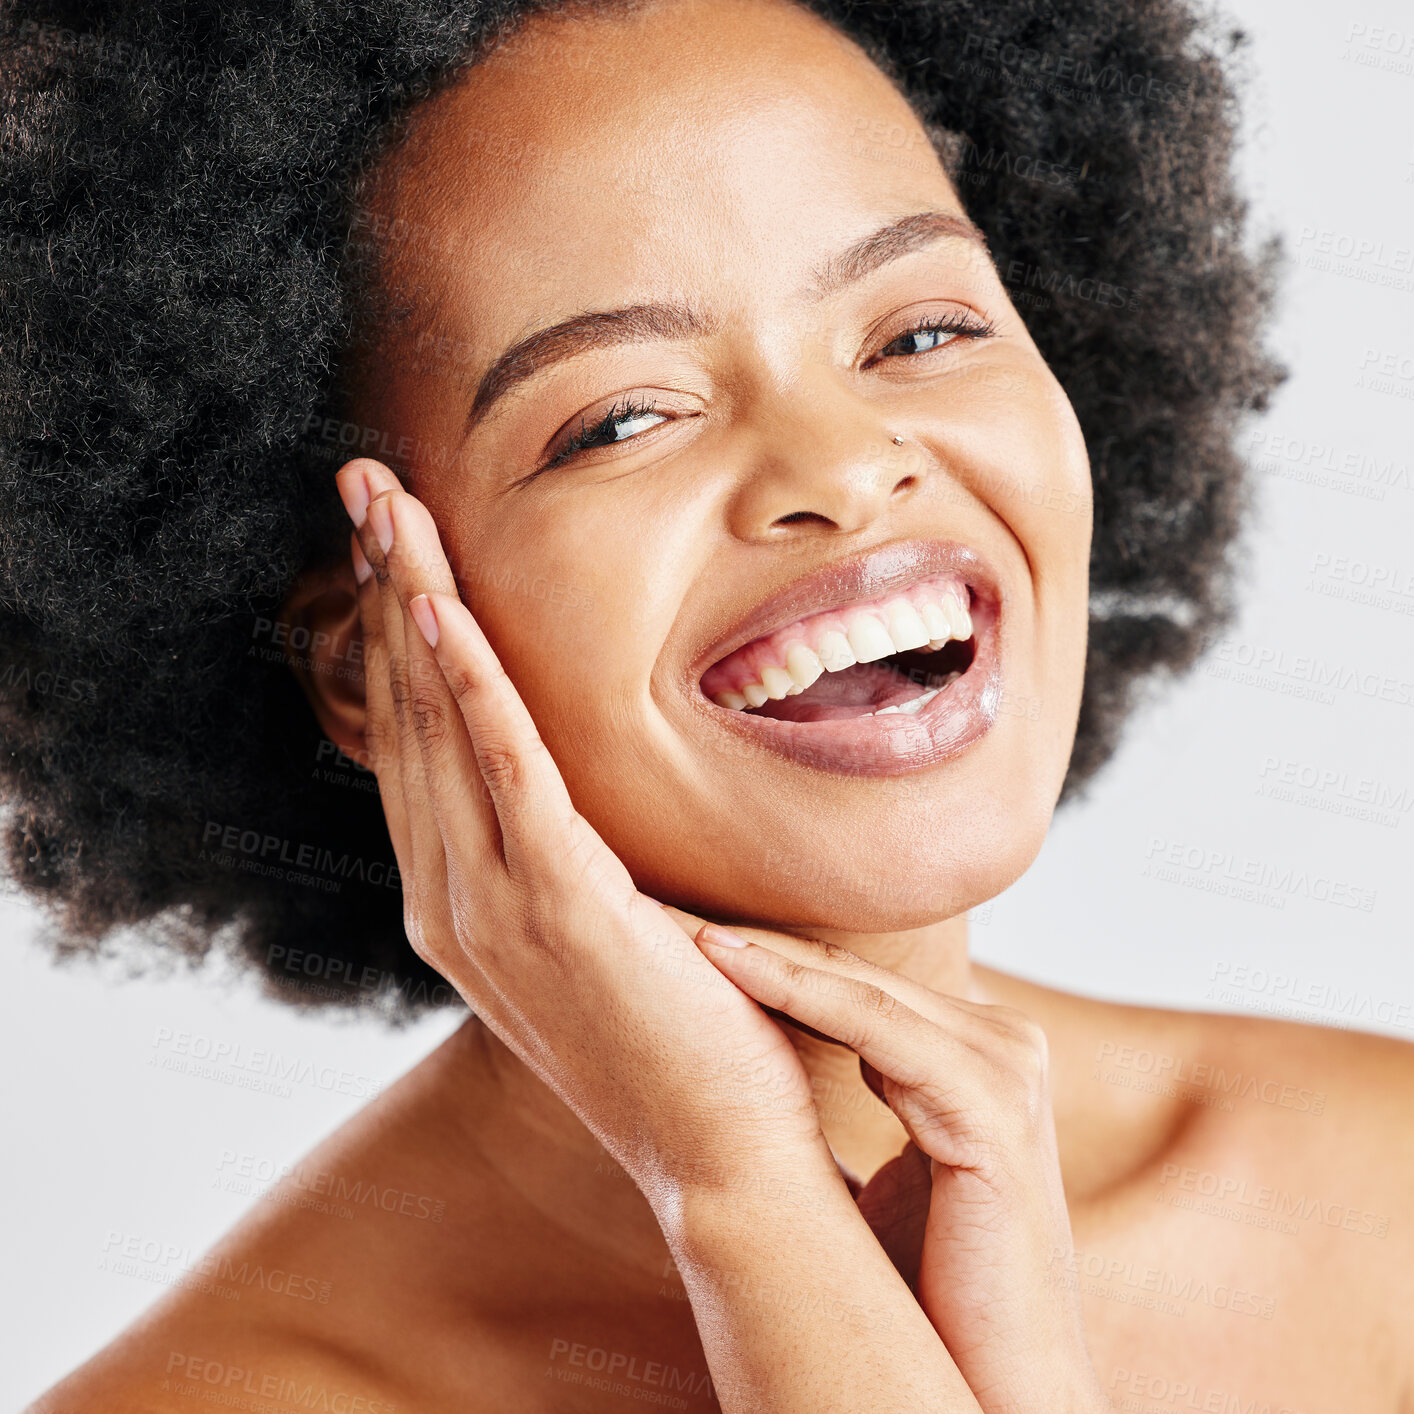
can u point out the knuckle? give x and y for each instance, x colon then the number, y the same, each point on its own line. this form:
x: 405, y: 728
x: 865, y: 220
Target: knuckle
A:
x: 873, y: 1000
x: 793, y: 974
x: 1021, y: 1043
x: 380, y: 739
x: 377, y: 561
x: 399, y: 682
x: 1022, y: 1090
x: 1013, y: 1020
x: 499, y: 762
x: 538, y: 919
x: 1038, y: 1049
x: 1030, y: 1051
x: 417, y: 935
x: 469, y: 685
x: 463, y: 685
x: 428, y: 716
x: 1027, y: 1111
x: 833, y: 952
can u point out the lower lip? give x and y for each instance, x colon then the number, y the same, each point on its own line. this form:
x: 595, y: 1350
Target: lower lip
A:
x: 898, y: 742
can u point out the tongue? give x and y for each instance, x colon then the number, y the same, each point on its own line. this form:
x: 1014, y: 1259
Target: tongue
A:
x: 853, y: 692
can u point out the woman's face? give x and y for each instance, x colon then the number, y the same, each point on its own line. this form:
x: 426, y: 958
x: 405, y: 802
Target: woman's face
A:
x: 651, y: 509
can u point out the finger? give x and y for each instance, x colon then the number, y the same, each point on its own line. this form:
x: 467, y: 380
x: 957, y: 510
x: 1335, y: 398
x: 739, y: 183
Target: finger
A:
x: 953, y: 1098
x: 691, y: 926
x: 432, y: 724
x: 380, y: 727
x: 905, y: 1046
x: 1005, y: 1040
x: 803, y: 949
x: 535, y: 815
x: 977, y: 1022
x: 426, y: 879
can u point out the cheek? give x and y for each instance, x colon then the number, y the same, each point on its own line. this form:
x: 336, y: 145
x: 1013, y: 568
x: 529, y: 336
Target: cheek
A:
x: 573, y: 604
x: 1023, y: 455
x: 1021, y: 451
x: 1058, y: 517
x: 1054, y: 504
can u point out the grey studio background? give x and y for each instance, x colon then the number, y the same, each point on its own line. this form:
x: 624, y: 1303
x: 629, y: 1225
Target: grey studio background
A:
x: 1247, y: 850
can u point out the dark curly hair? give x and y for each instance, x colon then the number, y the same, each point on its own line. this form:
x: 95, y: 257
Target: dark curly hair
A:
x: 178, y: 182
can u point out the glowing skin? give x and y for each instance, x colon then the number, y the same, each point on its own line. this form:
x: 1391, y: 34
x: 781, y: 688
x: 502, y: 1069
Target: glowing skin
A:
x: 769, y: 458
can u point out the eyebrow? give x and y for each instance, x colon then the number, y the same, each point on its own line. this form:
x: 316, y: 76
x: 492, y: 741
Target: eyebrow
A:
x: 898, y: 238
x: 641, y: 323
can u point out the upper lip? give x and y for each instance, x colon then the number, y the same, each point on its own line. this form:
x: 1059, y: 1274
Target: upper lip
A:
x: 864, y: 576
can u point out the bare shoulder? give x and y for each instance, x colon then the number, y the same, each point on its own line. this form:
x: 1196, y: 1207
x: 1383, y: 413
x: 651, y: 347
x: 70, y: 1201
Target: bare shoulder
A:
x: 1304, y: 1103
x: 1324, y: 1100
x: 1289, y: 1092
x: 1301, y: 1154
x: 1277, y: 1127
x: 1249, y: 1168
x: 1268, y: 1115
x: 163, y: 1368
x: 319, y: 1297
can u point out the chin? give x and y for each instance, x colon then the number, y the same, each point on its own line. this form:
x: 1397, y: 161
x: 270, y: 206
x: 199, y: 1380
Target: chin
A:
x: 921, y: 850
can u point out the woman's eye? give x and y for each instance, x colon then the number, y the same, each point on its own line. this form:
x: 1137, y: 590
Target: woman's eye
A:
x: 933, y: 334
x: 623, y: 421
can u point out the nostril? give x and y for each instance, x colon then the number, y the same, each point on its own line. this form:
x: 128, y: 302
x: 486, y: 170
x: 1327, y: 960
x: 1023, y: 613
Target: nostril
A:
x: 796, y: 516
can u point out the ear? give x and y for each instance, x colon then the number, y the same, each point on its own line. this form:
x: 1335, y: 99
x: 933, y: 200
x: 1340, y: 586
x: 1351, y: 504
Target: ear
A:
x: 323, y: 643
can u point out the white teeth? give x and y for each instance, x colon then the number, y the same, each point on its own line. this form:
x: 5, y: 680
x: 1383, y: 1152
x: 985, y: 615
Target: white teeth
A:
x: 916, y: 705
x: 835, y: 652
x: 936, y: 622
x: 803, y: 664
x: 868, y: 638
x: 777, y: 682
x: 906, y: 627
x: 959, y: 620
x: 865, y: 639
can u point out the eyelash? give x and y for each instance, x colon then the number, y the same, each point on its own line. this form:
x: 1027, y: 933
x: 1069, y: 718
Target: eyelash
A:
x: 620, y: 412
x: 969, y: 325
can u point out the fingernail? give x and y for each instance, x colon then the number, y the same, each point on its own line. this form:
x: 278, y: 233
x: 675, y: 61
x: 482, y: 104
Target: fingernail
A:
x: 722, y: 937
x: 362, y: 569
x: 353, y: 492
x: 425, y: 617
x: 380, y: 517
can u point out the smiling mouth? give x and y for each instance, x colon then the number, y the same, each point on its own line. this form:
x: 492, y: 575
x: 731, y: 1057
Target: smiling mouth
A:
x: 880, y: 657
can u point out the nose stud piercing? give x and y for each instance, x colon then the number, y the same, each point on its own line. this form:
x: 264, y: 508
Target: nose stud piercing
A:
x: 898, y: 441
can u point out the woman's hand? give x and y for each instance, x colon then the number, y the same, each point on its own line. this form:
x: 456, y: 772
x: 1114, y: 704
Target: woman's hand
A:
x: 515, y: 899
x: 968, y: 1082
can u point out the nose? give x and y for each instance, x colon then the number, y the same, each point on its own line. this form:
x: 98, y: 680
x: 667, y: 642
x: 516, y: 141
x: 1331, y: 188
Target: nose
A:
x: 822, y: 466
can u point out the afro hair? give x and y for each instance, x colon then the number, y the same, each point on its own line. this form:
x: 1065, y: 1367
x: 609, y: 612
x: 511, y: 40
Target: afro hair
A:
x: 179, y: 185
